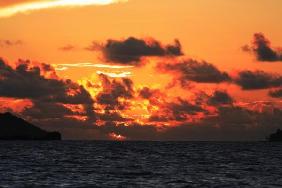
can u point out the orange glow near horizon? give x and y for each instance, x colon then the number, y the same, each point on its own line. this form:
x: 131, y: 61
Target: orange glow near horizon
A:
x: 117, y: 137
x: 16, y: 105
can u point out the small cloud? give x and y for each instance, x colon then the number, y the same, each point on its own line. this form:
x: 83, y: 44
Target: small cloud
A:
x: 220, y: 98
x: 68, y: 47
x: 261, y: 47
x: 10, y: 43
x: 276, y: 93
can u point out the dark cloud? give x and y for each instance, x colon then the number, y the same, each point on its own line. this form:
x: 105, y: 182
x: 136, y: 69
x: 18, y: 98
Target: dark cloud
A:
x: 178, y: 110
x: 192, y: 70
x: 276, y: 93
x: 63, y: 105
x: 113, y: 117
x: 10, y: 43
x: 112, y: 91
x: 229, y: 122
x: 147, y: 93
x: 220, y: 98
x: 27, y: 82
x: 232, y: 123
x: 250, y: 80
x: 170, y: 108
x: 47, y: 110
x: 50, y: 96
x: 261, y: 47
x: 131, y: 50
x: 234, y: 117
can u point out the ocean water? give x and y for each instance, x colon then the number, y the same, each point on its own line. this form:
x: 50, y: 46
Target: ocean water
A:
x: 140, y: 164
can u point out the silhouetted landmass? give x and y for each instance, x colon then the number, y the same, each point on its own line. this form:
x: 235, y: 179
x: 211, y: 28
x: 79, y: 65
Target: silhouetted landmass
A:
x: 14, y: 128
x: 276, y: 137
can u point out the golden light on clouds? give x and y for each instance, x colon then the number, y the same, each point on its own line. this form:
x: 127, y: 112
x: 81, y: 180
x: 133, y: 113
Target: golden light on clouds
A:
x: 39, y: 5
x: 66, y: 66
x: 117, y: 137
x: 114, y: 71
x: 115, y: 74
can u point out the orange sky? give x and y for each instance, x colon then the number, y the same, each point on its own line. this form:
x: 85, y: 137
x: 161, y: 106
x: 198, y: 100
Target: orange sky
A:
x: 210, y: 30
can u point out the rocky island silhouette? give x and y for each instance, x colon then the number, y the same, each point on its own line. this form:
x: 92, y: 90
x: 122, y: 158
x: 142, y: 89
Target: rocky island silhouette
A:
x: 275, y: 137
x: 14, y: 128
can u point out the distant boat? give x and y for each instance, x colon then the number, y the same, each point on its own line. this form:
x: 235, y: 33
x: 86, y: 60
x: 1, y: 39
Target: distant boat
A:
x: 275, y: 137
x: 14, y: 128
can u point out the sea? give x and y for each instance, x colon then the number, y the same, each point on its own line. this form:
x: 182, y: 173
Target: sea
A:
x: 140, y: 164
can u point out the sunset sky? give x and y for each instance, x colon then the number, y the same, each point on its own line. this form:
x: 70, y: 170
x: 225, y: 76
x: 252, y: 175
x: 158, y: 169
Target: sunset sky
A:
x: 143, y: 69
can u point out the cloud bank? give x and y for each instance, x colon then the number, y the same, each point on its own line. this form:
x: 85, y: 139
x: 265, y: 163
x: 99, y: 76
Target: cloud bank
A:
x: 107, y: 107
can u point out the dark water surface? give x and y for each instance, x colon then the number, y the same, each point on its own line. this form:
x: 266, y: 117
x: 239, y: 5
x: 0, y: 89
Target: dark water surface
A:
x: 140, y: 164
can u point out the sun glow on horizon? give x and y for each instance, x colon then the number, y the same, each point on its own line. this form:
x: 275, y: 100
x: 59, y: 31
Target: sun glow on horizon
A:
x: 32, y: 6
x: 117, y: 137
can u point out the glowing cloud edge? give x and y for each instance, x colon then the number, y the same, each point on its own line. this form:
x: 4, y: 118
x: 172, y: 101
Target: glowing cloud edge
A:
x: 33, y: 6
